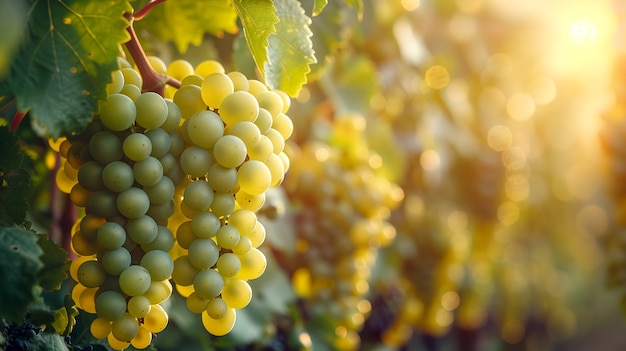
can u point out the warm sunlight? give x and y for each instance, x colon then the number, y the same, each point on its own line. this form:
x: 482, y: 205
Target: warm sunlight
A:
x: 583, y: 31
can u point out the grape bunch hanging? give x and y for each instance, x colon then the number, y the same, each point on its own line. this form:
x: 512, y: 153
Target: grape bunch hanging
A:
x: 170, y: 189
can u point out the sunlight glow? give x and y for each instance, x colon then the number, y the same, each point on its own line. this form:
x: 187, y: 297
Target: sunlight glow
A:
x: 583, y: 31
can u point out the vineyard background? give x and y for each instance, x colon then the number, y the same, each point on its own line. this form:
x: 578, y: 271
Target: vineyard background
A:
x: 502, y: 122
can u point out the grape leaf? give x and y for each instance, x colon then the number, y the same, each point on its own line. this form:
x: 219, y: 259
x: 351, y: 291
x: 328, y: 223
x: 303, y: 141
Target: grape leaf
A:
x: 19, y: 269
x: 65, y: 61
x: 55, y: 262
x: 258, y: 19
x: 12, y: 16
x: 185, y: 22
x: 14, y: 181
x: 47, y: 341
x: 328, y: 28
x: 290, y: 49
x: 319, y: 6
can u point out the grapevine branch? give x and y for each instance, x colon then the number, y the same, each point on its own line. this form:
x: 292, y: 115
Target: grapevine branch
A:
x: 152, y: 80
x: 17, y: 119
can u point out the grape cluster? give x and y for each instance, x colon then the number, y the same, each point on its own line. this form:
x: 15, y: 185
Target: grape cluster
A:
x: 342, y: 222
x: 17, y: 337
x: 170, y: 190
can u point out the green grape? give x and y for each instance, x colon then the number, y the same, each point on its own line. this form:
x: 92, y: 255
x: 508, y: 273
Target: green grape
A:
x: 215, y: 87
x: 242, y: 219
x: 229, y: 151
x: 83, y: 247
x: 173, y: 116
x: 222, y: 326
x: 179, y: 69
x: 139, y: 306
x: 105, y: 147
x: 216, y: 308
x: 102, y: 203
x: 262, y: 150
x: 151, y: 110
x: 203, y: 253
x: 286, y: 100
x: 118, y: 112
x: 249, y: 201
x: 207, y: 67
x: 255, y: 177
x: 239, y: 106
x: 117, y: 81
x: 100, y: 328
x: 90, y: 176
x: 205, y: 128
x: 247, y: 131
x: 161, y: 141
x: 192, y: 79
x: 264, y: 120
x: 164, y: 240
x: 148, y: 171
x: 253, y: 264
x: 161, y: 192
x: 195, y: 161
x: 205, y: 225
x: 79, y: 195
x: 137, y: 146
x: 240, y: 81
x: 75, y: 264
x: 158, y: 291
x: 111, y: 235
x: 222, y: 179
x: 125, y: 328
x: 257, y: 235
x: 185, y: 235
x: 198, y: 195
x: 277, y: 140
x: 91, y: 274
x: 256, y: 87
x: 134, y: 280
x: 158, y: 263
x: 143, y: 339
x: 189, y: 100
x: 133, y: 202
x: 117, y: 176
x: 196, y: 303
x: 243, y: 246
x: 208, y: 283
x: 228, y: 264
x: 89, y: 225
x: 162, y: 212
x: 132, y: 77
x: 270, y: 101
x: 227, y: 237
x: 116, y: 344
x: 142, y: 229
x: 223, y: 204
x: 283, y: 124
x: 276, y: 168
x: 132, y: 91
x: 156, y: 320
x: 287, y: 163
x: 236, y: 293
x: 86, y: 300
x: 169, y: 163
x: 115, y: 261
x: 110, y: 305
x: 184, y: 272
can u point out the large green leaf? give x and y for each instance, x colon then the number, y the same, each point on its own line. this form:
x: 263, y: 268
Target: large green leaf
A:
x: 19, y: 271
x: 258, y: 19
x: 66, y: 60
x: 185, y: 22
x: 14, y: 181
x: 291, y: 50
x: 56, y: 264
x: 48, y: 341
x: 12, y: 15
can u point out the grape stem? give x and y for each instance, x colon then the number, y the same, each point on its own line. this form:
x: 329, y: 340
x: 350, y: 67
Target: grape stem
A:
x: 144, y: 10
x: 152, y: 80
x: 17, y: 119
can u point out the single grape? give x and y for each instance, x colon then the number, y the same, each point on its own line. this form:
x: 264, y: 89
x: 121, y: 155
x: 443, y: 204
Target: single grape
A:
x: 100, y: 328
x: 118, y: 112
x: 156, y: 320
x: 105, y: 147
x: 158, y: 263
x: 142, y: 229
x: 207, y: 67
x: 117, y: 176
x: 215, y: 87
x: 237, y: 293
x: 139, y: 306
x: 228, y: 264
x: 91, y: 274
x: 151, y: 110
x: 239, y: 106
x: 111, y: 235
x: 205, y: 225
x: 270, y: 101
x: 115, y: 261
x: 216, y: 308
x: 227, y: 237
x: 161, y: 141
x: 184, y: 272
x: 208, y: 283
x: 195, y: 161
x: 110, y: 305
x: 229, y: 151
x: 137, y: 146
x: 198, y: 195
x: 255, y: 177
x: 203, y: 253
x: 222, y: 179
x: 223, y: 204
x: 133, y: 202
x: 240, y: 81
x: 222, y: 326
x: 125, y: 328
x: 134, y: 280
x: 205, y: 128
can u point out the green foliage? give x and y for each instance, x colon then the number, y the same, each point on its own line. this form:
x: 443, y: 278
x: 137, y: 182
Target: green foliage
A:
x: 65, y: 61
x: 258, y: 19
x: 55, y: 263
x: 319, y: 6
x: 290, y: 49
x: 12, y: 14
x: 19, y: 269
x: 47, y: 341
x: 14, y: 180
x: 184, y: 22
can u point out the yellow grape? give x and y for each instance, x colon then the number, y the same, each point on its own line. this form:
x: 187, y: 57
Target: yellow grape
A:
x: 237, y: 293
x: 222, y: 326
x: 156, y: 320
x: 214, y: 88
x: 207, y: 67
x: 100, y: 328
